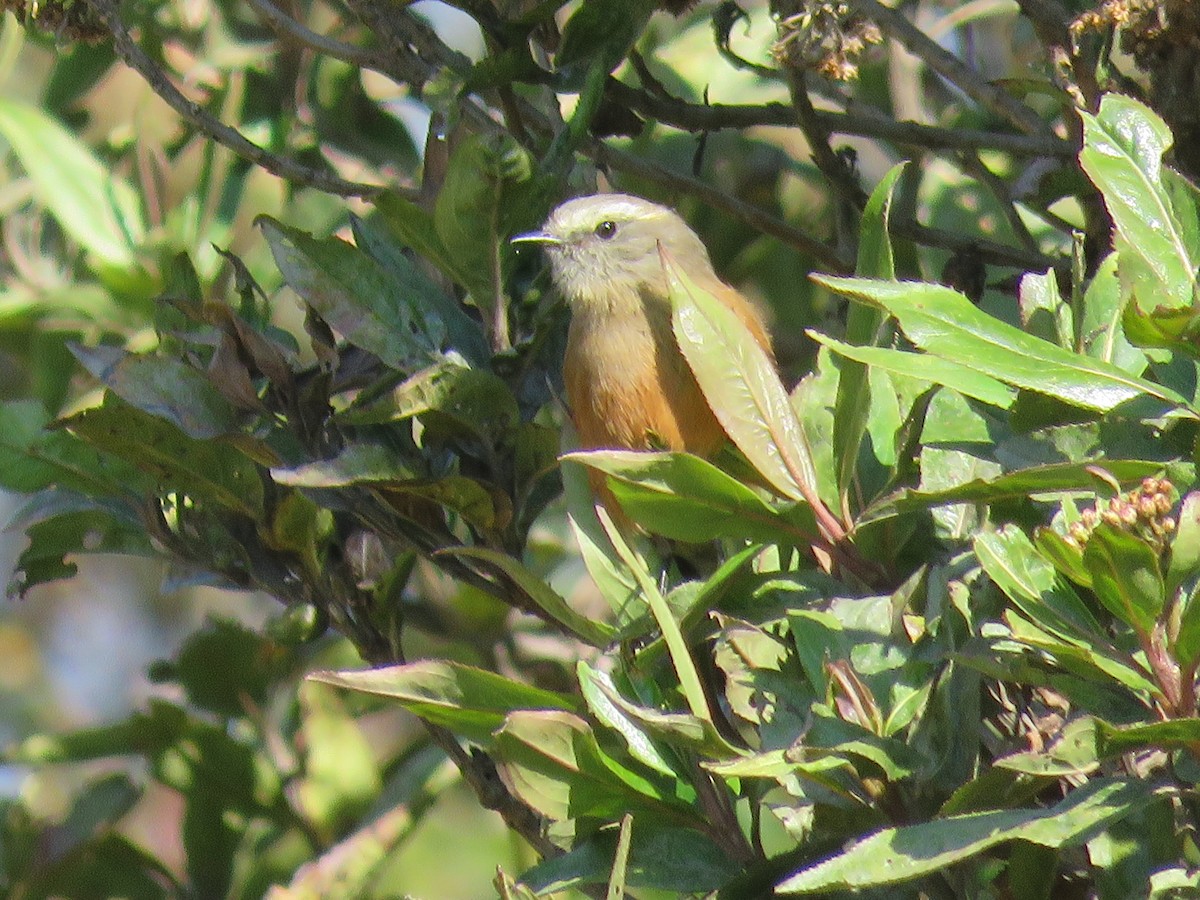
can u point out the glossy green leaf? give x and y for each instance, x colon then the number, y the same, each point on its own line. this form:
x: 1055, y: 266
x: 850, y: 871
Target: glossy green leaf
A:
x: 1125, y: 576
x: 203, y: 469
x: 1184, y: 562
x: 598, y: 634
x: 472, y: 702
x: 356, y: 296
x: 97, y: 208
x: 946, y: 324
x: 682, y: 497
x: 1123, y: 147
x: 896, y: 855
x: 551, y: 760
x: 741, y: 386
x: 966, y: 380
x: 1032, y: 583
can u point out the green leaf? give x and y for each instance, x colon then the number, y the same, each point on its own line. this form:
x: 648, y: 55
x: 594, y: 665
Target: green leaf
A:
x: 34, y: 456
x: 677, y: 861
x: 551, y: 761
x: 202, y: 469
x: 684, y: 498
x: 448, y: 397
x: 1185, y: 544
x: 95, y: 207
x: 413, y: 227
x: 895, y: 855
x: 442, y: 310
x: 1102, y: 330
x: 599, y: 33
x: 598, y: 634
x: 355, y: 464
x: 162, y: 386
x: 489, y: 191
x: 1125, y: 577
x: 1114, y: 740
x: 1048, y: 479
x: 966, y: 380
x: 1123, y: 147
x: 946, y: 324
x: 596, y: 687
x: 864, y: 329
x: 469, y: 701
x: 1044, y: 313
x: 356, y: 296
x: 1032, y: 583
x: 681, y: 657
x: 741, y: 386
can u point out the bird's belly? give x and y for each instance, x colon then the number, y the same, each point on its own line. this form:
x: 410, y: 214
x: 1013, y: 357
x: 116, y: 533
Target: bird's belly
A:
x: 629, y: 387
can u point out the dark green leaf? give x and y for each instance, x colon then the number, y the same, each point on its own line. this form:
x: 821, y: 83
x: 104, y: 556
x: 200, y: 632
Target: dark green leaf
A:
x: 356, y: 296
x: 164, y: 387
x: 207, y: 470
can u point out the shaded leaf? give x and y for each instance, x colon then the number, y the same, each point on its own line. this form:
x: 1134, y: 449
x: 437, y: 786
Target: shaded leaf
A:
x: 1125, y: 576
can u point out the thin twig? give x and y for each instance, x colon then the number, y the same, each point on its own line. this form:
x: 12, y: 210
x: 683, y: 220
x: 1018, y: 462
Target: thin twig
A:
x: 951, y: 67
x: 973, y: 165
x: 137, y: 59
x: 717, y: 116
x: 288, y: 27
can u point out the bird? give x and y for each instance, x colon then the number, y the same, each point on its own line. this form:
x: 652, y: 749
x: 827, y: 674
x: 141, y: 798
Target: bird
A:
x: 628, y: 385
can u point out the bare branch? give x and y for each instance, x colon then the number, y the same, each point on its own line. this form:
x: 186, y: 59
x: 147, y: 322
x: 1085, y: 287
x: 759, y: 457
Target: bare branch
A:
x: 136, y: 58
x: 951, y: 67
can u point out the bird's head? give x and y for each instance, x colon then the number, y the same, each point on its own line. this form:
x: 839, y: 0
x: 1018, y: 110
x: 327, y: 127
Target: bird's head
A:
x: 604, y: 248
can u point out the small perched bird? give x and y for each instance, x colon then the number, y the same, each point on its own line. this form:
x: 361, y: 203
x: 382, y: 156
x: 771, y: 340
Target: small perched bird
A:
x: 628, y: 384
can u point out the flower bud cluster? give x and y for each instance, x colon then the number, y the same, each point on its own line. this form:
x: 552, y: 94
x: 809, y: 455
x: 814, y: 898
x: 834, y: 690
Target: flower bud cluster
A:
x: 1144, y: 511
x: 825, y: 36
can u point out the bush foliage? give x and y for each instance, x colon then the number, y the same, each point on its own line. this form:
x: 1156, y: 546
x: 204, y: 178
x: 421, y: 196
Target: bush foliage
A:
x: 928, y: 627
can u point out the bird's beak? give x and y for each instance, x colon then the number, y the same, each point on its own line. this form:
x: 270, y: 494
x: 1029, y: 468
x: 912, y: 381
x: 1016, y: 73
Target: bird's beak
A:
x: 535, y: 237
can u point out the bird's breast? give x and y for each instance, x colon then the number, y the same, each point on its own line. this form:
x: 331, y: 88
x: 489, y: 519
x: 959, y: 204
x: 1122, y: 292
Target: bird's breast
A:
x: 629, y: 386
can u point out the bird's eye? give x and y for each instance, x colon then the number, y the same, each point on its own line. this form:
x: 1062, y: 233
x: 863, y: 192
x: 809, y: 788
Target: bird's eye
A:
x: 606, y: 229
